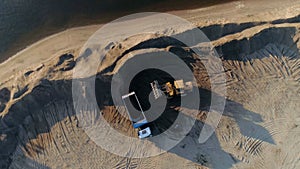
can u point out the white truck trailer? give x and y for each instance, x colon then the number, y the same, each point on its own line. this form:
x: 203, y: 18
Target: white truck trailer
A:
x: 137, y: 117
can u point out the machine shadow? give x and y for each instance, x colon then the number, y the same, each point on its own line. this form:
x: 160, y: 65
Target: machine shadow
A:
x: 248, y: 121
x: 210, y: 153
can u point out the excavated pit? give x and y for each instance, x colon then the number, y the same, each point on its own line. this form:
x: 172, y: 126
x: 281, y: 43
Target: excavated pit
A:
x: 141, y: 85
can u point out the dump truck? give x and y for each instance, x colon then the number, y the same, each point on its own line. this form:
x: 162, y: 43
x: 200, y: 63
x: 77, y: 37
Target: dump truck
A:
x: 171, y: 89
x: 137, y: 117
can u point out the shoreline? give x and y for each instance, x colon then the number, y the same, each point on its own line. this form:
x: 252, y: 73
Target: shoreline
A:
x: 50, y: 46
x: 43, y: 40
x: 40, y: 52
x: 69, y: 18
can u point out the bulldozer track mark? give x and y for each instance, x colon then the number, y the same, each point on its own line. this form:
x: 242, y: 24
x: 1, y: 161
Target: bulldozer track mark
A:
x: 128, y: 163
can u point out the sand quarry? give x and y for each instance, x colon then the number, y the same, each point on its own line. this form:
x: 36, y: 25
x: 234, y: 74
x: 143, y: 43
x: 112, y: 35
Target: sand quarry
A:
x: 259, y: 44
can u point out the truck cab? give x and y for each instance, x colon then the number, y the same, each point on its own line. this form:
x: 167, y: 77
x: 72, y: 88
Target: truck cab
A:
x: 144, y: 133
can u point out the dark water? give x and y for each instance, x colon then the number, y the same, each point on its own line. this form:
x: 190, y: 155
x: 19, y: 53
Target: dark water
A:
x: 29, y: 20
x: 22, y: 22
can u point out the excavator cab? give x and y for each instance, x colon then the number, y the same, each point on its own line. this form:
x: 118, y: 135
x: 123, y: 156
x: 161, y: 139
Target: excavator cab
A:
x: 169, y: 89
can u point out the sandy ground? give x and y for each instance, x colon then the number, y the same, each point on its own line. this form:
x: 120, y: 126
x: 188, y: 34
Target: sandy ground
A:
x: 259, y: 44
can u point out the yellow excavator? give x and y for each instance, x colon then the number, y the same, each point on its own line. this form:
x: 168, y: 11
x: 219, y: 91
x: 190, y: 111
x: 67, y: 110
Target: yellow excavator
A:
x: 171, y: 89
